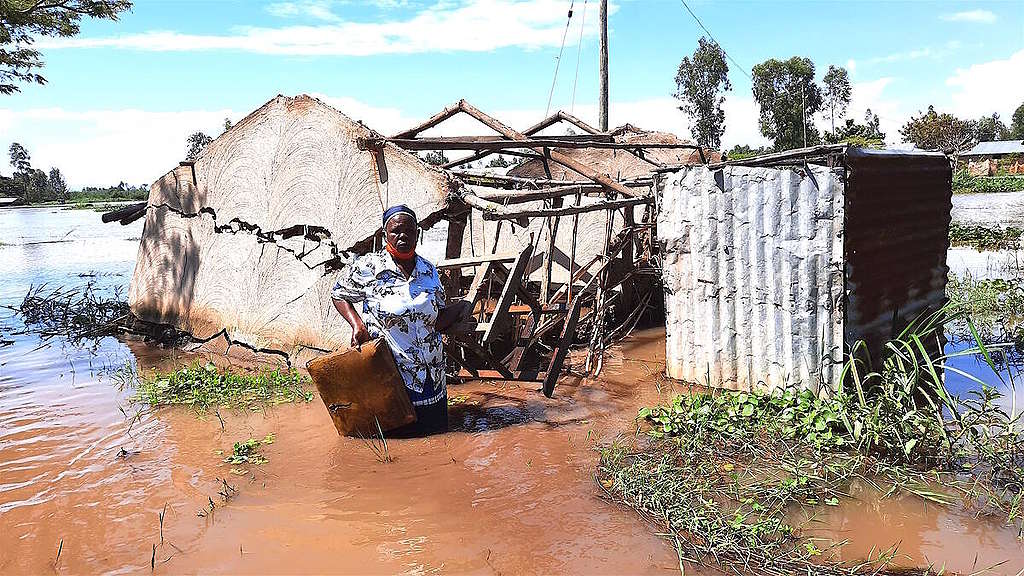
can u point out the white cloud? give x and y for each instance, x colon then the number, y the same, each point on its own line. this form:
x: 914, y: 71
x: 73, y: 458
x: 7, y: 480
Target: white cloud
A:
x: 104, y: 147
x: 994, y: 86
x: 474, y: 26
x: 316, y: 9
x: 901, y: 56
x: 977, y: 16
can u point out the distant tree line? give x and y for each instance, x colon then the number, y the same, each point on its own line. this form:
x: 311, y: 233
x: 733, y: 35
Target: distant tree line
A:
x: 32, y: 185
x: 788, y: 98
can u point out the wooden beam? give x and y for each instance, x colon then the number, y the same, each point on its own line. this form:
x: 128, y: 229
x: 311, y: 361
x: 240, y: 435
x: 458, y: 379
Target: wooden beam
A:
x: 499, y: 181
x: 488, y: 143
x: 520, y: 196
x: 475, y: 260
x: 563, y: 159
x: 494, y: 211
x: 432, y: 121
x: 549, y: 121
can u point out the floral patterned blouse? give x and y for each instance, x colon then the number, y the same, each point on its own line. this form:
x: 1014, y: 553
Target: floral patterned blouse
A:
x: 403, y: 311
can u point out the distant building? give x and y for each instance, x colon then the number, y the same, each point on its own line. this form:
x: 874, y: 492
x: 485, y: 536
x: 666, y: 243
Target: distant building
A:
x: 994, y: 150
x: 7, y: 201
x: 984, y: 159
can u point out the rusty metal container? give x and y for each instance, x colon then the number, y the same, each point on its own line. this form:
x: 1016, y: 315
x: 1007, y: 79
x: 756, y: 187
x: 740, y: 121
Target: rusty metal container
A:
x: 361, y: 387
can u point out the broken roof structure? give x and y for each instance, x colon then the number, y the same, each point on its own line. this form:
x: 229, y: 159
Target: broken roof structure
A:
x: 240, y: 246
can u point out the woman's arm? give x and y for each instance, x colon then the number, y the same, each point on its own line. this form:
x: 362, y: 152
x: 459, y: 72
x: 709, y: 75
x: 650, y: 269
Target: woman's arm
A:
x: 359, y: 334
x: 449, y: 315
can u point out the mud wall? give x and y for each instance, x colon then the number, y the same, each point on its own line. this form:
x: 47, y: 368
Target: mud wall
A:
x: 244, y: 244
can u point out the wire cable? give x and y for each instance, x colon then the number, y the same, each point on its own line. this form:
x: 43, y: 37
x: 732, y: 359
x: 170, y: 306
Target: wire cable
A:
x: 743, y: 70
x: 558, y: 60
x: 579, y: 48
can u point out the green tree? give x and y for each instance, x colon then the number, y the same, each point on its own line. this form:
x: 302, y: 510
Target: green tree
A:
x: 934, y: 131
x: 57, y: 186
x: 788, y: 98
x: 227, y: 124
x: 990, y: 128
x: 867, y: 135
x: 740, y: 152
x: 836, y: 93
x: 498, y: 161
x: 38, y: 185
x: 701, y: 83
x: 20, y: 158
x: 23, y: 21
x: 435, y: 157
x: 1017, y: 123
x: 197, y: 142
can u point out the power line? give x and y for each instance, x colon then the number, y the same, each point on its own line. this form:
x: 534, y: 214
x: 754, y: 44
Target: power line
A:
x: 743, y: 70
x: 579, y: 49
x: 558, y: 60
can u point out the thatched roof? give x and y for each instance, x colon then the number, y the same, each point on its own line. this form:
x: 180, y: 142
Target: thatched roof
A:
x: 620, y: 164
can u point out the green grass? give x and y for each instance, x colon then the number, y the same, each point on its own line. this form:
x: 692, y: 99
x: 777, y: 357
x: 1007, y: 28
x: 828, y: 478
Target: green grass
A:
x: 964, y: 183
x: 720, y: 473
x: 984, y: 237
x: 202, y: 387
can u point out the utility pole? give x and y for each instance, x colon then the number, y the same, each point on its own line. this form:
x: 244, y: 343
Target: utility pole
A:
x: 604, y: 67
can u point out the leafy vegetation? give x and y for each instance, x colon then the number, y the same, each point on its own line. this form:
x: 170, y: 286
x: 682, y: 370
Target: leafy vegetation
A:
x: 248, y: 452
x: 721, y: 472
x: 934, y: 131
x: 701, y: 83
x: 74, y: 313
x: 202, y: 386
x: 788, y: 99
x: 964, y: 183
x: 22, y: 22
x: 984, y: 237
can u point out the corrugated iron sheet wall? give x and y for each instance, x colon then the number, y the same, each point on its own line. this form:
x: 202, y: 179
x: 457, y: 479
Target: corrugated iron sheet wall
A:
x: 897, y: 235
x: 753, y: 273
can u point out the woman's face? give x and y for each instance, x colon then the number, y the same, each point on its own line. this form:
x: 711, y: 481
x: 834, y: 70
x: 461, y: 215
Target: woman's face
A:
x: 400, y: 232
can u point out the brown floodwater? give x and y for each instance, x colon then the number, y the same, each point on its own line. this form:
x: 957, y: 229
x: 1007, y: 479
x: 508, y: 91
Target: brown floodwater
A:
x: 510, y: 490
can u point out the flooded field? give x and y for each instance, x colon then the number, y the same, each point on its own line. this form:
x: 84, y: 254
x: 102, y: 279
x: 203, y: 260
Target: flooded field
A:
x: 511, y: 490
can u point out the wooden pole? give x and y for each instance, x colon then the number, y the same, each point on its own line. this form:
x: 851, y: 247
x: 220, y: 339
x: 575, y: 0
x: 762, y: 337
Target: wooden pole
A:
x: 604, y: 66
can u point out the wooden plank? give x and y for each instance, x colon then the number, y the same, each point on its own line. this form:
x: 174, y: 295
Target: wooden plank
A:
x: 565, y: 340
x: 520, y: 376
x: 497, y: 181
x: 493, y: 211
x: 500, y: 318
x: 475, y: 347
x: 476, y: 260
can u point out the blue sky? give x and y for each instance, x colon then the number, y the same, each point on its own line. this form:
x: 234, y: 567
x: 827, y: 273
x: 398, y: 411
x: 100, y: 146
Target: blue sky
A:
x: 123, y: 95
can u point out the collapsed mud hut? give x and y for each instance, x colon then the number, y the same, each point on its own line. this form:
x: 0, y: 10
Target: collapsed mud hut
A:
x: 770, y: 268
x: 240, y: 246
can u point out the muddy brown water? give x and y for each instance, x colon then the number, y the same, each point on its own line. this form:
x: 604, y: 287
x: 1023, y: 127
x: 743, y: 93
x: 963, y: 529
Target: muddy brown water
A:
x: 510, y: 490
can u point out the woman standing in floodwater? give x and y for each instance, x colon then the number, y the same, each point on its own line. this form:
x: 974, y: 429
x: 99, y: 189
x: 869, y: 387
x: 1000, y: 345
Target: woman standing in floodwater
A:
x: 403, y: 302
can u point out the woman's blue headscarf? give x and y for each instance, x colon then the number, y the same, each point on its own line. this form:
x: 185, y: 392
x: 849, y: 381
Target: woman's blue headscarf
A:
x: 395, y: 211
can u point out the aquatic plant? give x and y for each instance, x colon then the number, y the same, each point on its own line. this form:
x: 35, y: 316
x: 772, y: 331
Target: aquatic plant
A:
x: 202, y: 386
x: 722, y: 471
x: 377, y: 444
x: 248, y: 452
x: 984, y: 237
x: 75, y: 313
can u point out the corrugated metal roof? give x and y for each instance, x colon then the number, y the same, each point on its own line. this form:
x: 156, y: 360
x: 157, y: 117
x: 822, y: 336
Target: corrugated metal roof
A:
x: 995, y: 148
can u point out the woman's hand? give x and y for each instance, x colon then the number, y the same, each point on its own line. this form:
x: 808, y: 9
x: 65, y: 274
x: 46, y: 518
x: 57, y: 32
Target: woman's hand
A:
x: 360, y: 336
x: 453, y: 314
